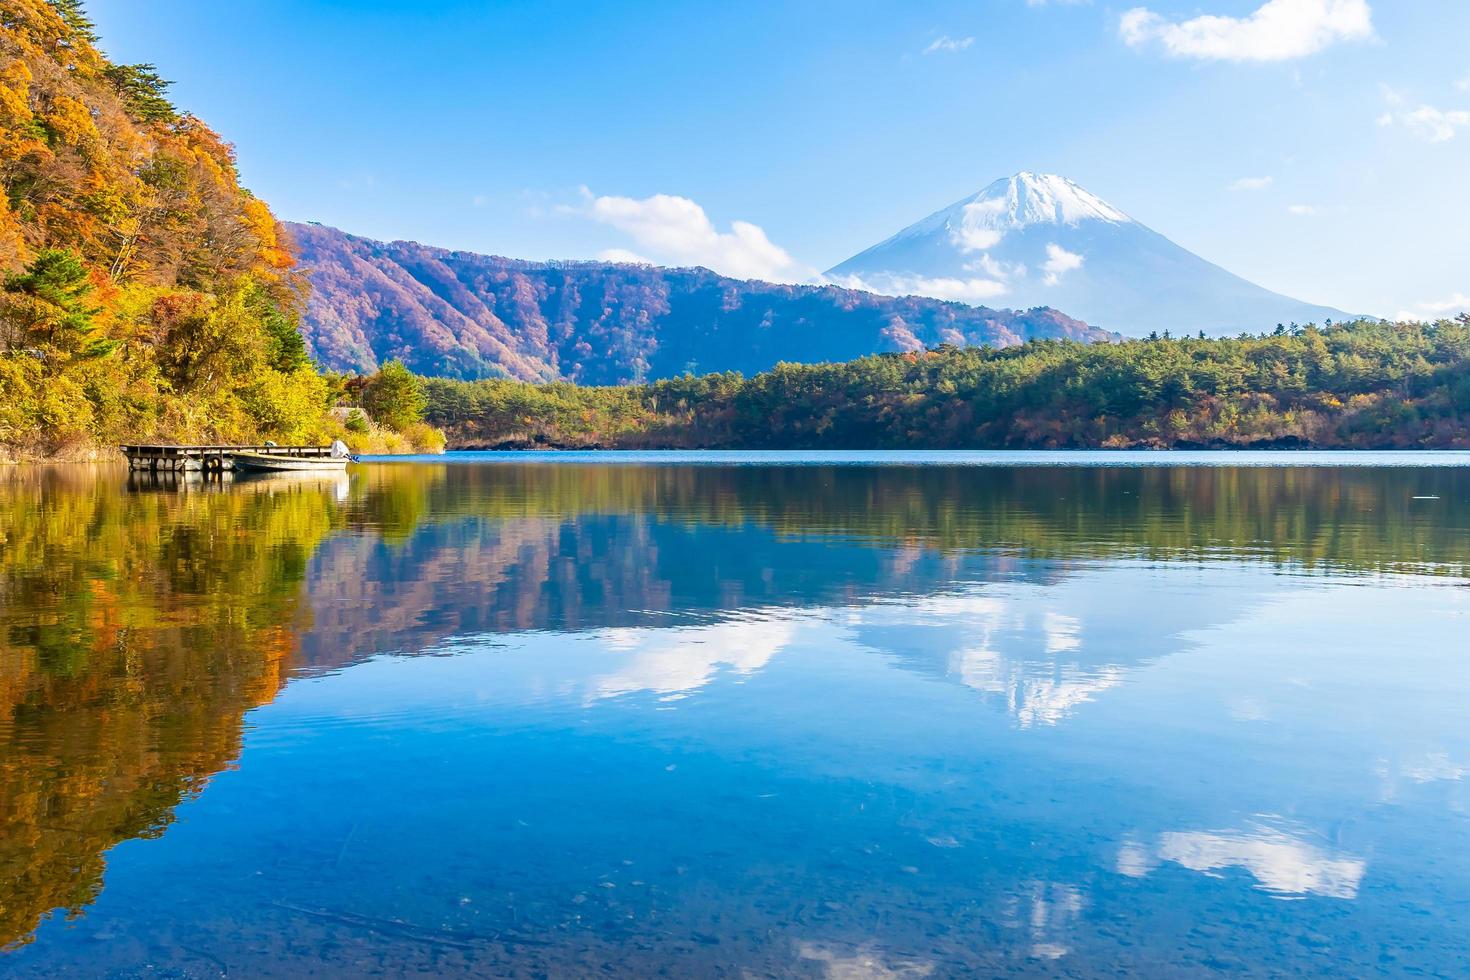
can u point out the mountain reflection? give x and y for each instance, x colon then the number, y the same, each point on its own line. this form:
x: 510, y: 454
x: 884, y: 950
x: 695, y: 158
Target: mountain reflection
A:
x: 140, y: 623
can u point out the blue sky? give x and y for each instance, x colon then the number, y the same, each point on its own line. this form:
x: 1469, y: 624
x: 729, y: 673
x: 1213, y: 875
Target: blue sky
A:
x: 1317, y: 147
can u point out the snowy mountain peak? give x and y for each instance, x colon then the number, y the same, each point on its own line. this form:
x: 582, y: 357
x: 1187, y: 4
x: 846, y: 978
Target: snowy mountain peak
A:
x: 1041, y: 240
x: 1039, y: 199
x: 1025, y: 200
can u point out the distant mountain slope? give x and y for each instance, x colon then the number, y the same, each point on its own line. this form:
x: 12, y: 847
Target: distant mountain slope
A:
x: 1040, y: 239
x: 463, y: 315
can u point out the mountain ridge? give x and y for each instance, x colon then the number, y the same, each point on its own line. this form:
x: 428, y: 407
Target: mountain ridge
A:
x: 462, y: 314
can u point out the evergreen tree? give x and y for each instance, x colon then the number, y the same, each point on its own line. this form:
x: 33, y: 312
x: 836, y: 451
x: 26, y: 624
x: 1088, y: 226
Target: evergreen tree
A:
x: 141, y: 89
x: 47, y: 310
x: 76, y: 18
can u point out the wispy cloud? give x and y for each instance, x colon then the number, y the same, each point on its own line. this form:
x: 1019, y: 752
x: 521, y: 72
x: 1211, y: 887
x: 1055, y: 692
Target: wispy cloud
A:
x: 1058, y: 263
x: 622, y: 255
x: 1279, y: 30
x: 1303, y: 210
x: 947, y: 43
x: 954, y: 289
x: 1435, y: 309
x: 1252, y: 183
x: 1428, y: 123
x: 676, y: 230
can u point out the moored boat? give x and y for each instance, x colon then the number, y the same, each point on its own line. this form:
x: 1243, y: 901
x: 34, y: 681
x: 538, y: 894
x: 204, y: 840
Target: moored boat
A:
x: 262, y: 463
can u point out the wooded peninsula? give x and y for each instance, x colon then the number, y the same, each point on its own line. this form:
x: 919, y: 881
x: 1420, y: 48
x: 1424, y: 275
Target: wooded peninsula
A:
x: 1360, y: 385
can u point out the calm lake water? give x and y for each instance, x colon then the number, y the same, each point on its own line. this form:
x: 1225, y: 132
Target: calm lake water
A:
x: 895, y: 716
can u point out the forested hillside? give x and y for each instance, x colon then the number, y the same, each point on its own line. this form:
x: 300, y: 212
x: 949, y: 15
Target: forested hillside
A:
x: 1360, y: 385
x: 463, y: 315
x: 144, y: 294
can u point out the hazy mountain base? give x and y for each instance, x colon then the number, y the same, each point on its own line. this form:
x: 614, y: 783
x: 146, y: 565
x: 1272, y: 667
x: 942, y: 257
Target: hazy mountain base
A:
x: 1365, y: 385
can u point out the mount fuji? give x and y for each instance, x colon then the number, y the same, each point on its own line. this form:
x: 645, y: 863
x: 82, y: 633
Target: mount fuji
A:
x: 1041, y: 240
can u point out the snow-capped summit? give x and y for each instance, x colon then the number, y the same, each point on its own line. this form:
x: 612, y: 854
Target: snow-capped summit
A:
x: 1043, y: 240
x: 1037, y: 199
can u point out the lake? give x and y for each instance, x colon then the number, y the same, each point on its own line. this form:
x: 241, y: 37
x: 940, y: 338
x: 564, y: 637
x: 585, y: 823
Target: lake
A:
x: 842, y: 715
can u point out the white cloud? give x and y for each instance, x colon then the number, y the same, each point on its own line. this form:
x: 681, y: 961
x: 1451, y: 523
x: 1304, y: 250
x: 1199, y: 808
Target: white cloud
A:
x: 1252, y: 183
x: 1430, y: 124
x: 1463, y: 85
x: 1436, y: 309
x: 1279, y: 30
x: 1435, y: 125
x: 1302, y: 210
x: 947, y: 43
x: 676, y: 230
x: 977, y: 231
x: 1058, y: 263
x: 953, y: 289
x: 971, y: 239
x: 996, y: 269
x: 622, y: 255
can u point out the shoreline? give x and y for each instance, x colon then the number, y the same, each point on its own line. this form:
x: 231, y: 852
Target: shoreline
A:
x: 115, y: 457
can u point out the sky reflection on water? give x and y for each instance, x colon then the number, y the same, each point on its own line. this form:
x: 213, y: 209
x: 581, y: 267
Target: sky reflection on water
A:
x: 832, y: 722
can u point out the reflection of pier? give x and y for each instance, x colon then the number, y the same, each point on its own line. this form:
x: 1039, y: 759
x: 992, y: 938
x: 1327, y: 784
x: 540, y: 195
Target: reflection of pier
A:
x: 210, y: 459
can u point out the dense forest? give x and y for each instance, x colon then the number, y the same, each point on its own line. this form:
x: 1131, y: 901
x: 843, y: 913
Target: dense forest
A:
x: 469, y: 316
x: 1358, y: 385
x: 144, y: 294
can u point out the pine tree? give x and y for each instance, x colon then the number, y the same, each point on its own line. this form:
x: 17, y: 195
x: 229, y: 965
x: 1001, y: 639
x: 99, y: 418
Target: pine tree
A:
x: 47, y: 311
x: 76, y: 18
x: 141, y: 89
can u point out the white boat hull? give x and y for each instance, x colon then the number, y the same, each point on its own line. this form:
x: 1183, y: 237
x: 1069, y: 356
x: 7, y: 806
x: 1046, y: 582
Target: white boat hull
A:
x: 262, y: 463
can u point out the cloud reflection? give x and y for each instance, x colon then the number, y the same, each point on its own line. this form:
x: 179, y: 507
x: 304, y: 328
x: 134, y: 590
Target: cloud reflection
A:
x: 1013, y: 645
x: 1049, y: 912
x: 1284, y: 865
x: 861, y: 963
x: 674, y: 662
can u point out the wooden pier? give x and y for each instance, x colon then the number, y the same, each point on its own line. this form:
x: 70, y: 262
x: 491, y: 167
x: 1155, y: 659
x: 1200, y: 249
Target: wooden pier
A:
x: 209, y: 459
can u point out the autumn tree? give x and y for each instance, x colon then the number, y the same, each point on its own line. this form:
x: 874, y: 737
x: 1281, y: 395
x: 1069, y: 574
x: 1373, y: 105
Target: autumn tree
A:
x: 395, y: 396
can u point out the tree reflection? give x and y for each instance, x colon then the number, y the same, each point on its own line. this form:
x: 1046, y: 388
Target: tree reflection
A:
x: 135, y: 632
x: 138, y: 627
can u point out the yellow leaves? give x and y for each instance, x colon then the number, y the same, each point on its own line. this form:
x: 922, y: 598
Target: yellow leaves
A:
x: 273, y: 250
x: 284, y: 406
x: 34, y: 404
x: 71, y: 122
x: 15, y: 90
